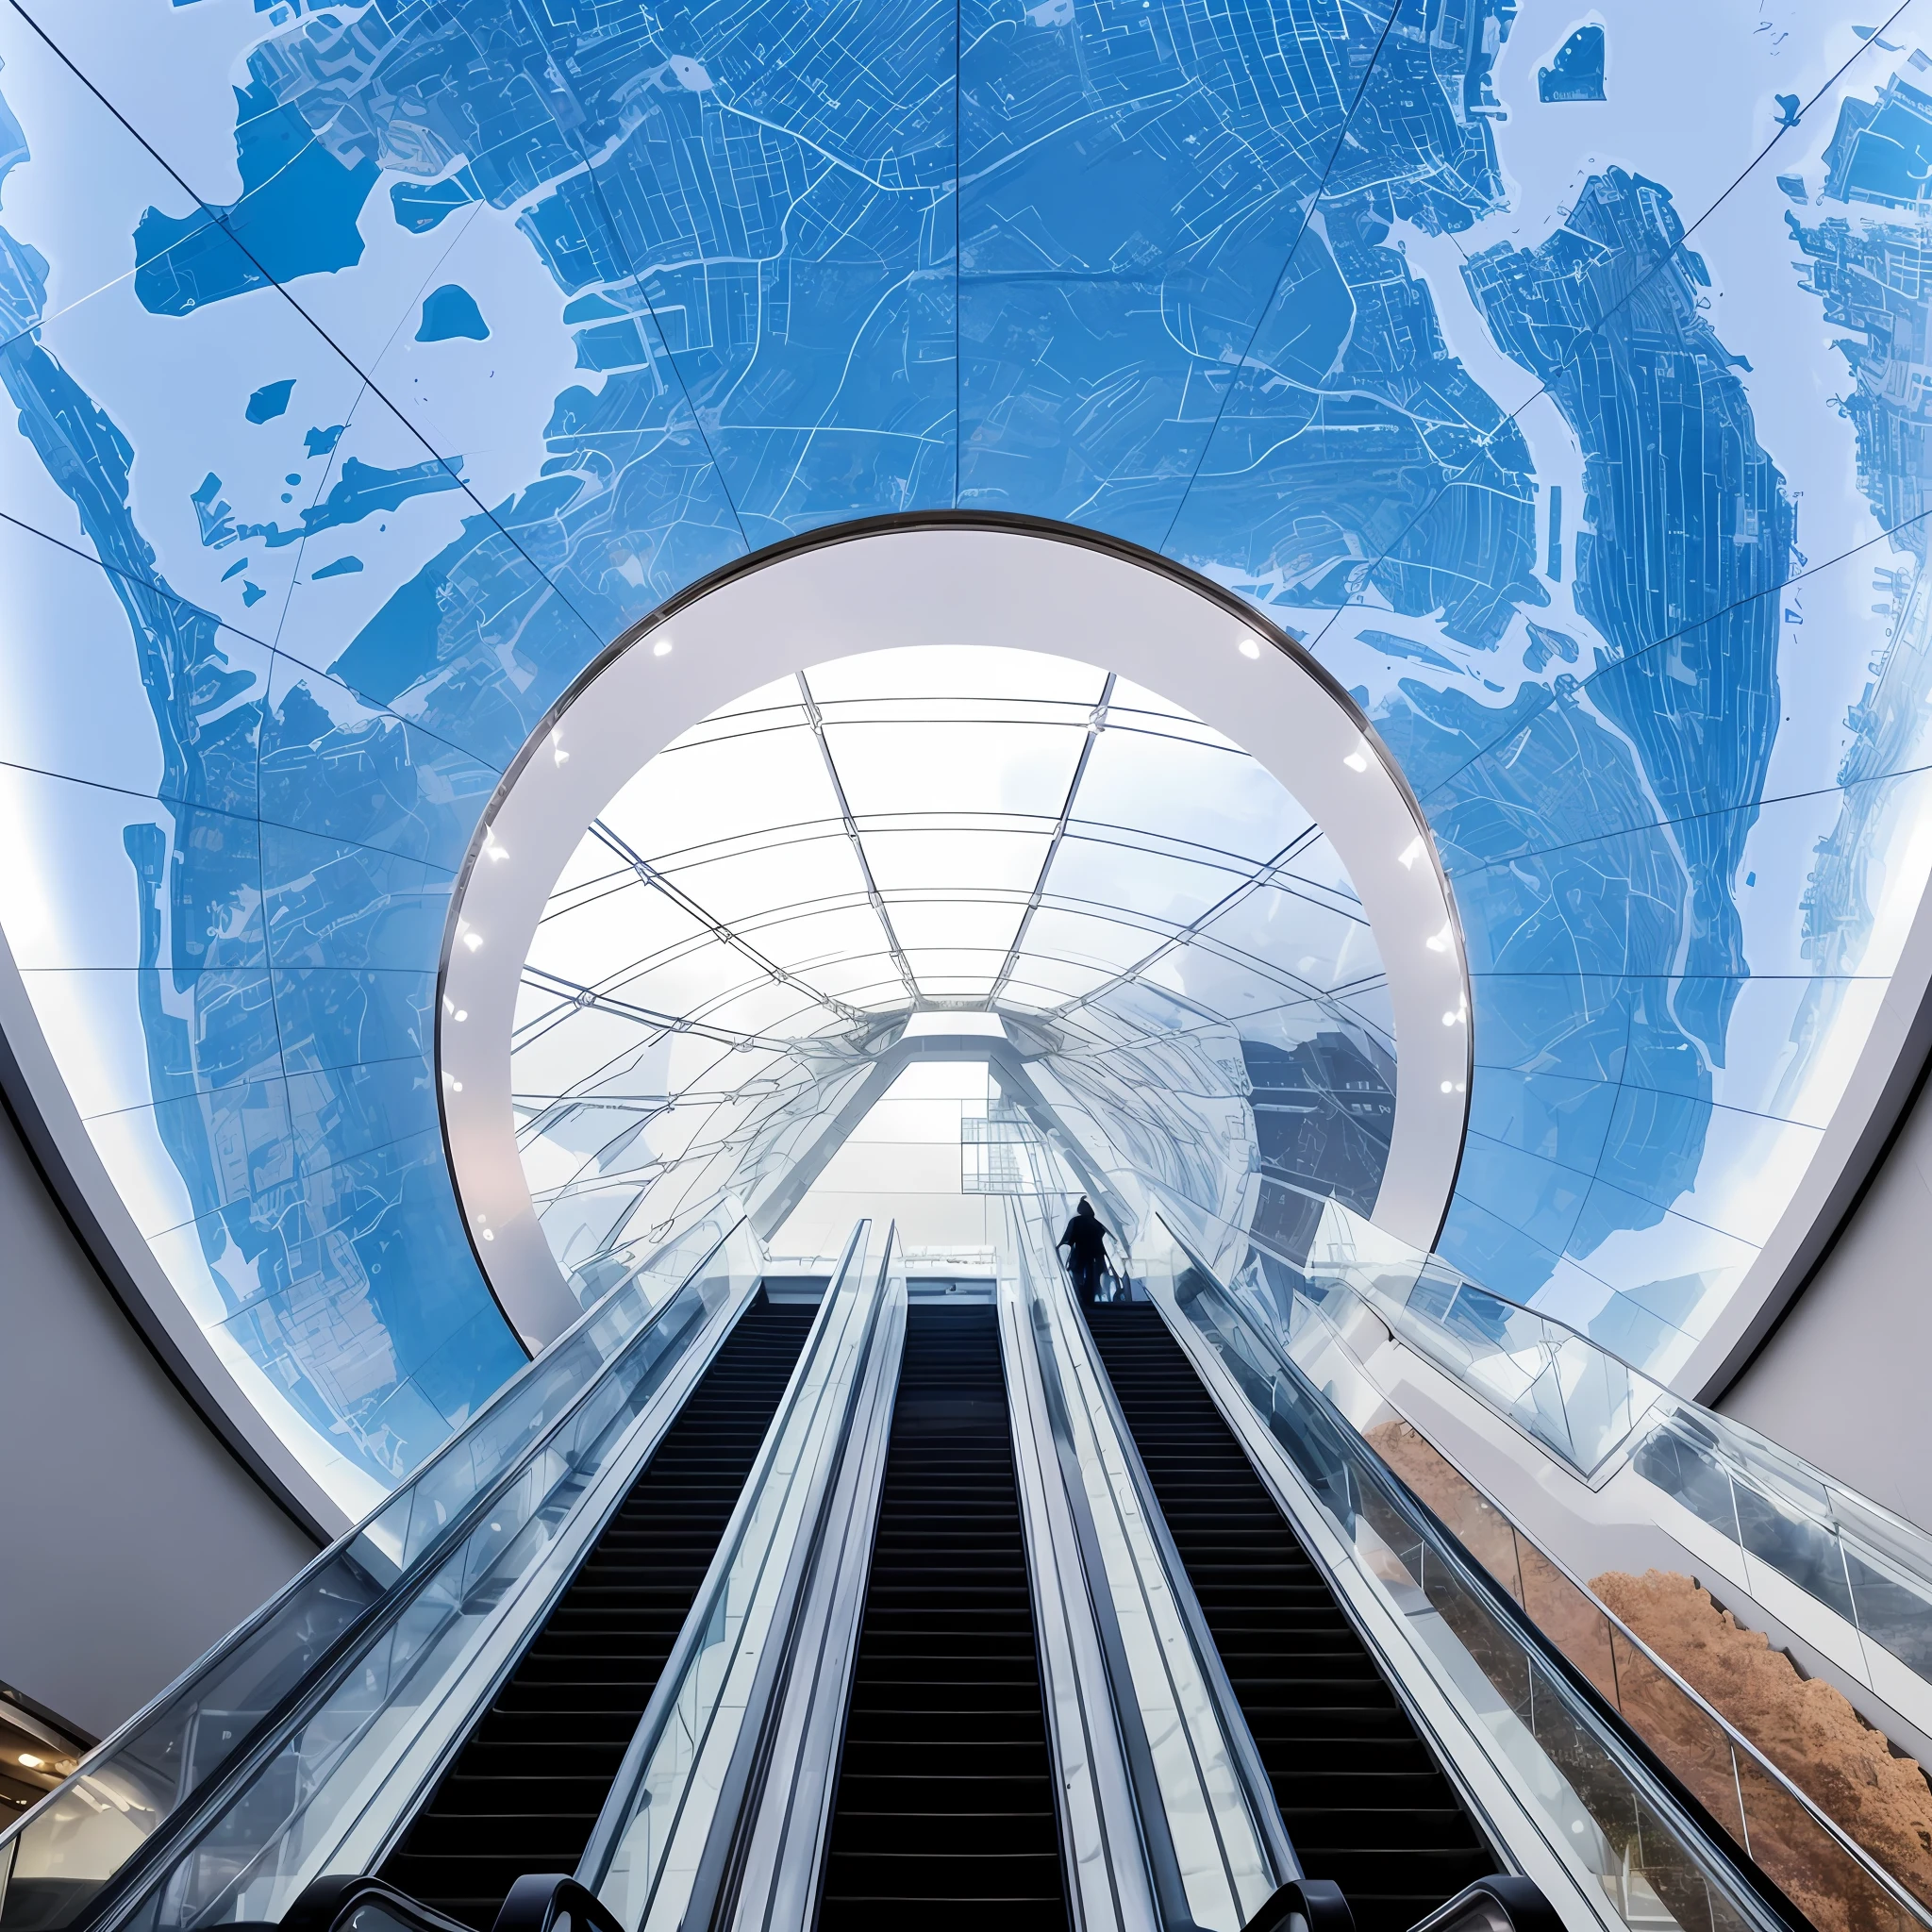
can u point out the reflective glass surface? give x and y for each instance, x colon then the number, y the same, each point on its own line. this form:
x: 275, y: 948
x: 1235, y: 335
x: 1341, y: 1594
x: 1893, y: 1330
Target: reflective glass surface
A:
x: 751, y: 920
x: 1652, y: 1864
x: 320, y: 1698
x: 676, y: 1785
x: 370, y: 369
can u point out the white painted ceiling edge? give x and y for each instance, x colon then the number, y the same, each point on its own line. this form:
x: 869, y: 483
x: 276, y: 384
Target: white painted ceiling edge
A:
x: 958, y: 587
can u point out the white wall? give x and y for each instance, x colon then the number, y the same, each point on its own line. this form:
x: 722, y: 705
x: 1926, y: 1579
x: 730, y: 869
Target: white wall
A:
x: 1846, y: 1380
x: 130, y: 1538
x: 902, y: 1162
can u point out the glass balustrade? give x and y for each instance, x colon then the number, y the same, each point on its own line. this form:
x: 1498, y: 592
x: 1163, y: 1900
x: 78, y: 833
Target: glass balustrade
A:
x: 676, y: 1790
x: 1598, y: 1799
x: 229, y: 1792
x: 1604, y: 1421
x: 1224, y: 1865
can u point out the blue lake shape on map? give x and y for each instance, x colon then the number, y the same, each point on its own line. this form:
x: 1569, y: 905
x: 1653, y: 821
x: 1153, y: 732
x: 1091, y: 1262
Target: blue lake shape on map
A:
x: 1545, y: 644
x: 451, y: 311
x: 341, y: 567
x: 1577, y: 71
x: 319, y: 442
x: 270, y: 400
x: 296, y: 216
x: 1407, y: 647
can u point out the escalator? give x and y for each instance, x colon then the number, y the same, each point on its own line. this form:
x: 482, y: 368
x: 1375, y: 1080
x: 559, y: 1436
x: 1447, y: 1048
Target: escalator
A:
x: 946, y: 1808
x: 527, y: 1785
x: 1362, y: 1797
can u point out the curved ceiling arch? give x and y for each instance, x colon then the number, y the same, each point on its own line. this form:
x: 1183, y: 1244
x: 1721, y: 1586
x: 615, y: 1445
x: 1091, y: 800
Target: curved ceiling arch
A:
x: 955, y: 586
x: 372, y: 369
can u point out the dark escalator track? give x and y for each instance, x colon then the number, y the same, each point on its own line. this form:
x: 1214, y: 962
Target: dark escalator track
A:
x: 533, y: 1774
x: 945, y: 1811
x: 1364, y: 1799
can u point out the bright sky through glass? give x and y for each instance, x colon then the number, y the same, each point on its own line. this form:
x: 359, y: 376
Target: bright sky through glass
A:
x: 916, y: 830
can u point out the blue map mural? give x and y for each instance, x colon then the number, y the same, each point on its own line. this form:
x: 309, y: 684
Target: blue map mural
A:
x: 1521, y: 413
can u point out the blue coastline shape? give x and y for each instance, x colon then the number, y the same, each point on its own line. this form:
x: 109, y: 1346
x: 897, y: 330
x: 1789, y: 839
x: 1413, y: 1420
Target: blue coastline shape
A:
x: 296, y: 215
x: 361, y: 490
x: 781, y: 341
x: 341, y: 567
x: 1577, y: 71
x: 451, y: 311
x: 419, y: 206
x: 270, y: 400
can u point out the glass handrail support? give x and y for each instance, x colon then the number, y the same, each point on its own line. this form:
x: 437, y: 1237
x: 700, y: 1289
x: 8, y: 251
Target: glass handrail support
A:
x: 659, y: 1851
x: 208, y: 1804
x: 1770, y: 1523
x: 1627, y: 1818
x: 1215, y: 1842
x: 1813, y: 1857
x: 777, y: 1861
x: 1111, y: 1883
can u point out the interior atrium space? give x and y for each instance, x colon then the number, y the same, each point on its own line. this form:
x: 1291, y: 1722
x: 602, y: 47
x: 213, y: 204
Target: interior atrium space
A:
x: 965, y: 965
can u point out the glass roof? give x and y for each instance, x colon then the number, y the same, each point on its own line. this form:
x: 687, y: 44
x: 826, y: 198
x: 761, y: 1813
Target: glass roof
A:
x: 920, y: 831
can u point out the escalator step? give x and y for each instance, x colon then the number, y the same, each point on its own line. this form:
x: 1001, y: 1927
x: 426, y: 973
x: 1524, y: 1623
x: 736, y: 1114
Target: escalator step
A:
x: 526, y: 1788
x: 945, y: 1804
x: 1364, y: 1801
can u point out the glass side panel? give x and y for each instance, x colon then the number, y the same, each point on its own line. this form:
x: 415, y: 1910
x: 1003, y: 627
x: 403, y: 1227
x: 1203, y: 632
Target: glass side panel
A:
x: 370, y: 1640
x: 645, y: 1852
x: 1598, y: 1805
x: 1217, y: 1842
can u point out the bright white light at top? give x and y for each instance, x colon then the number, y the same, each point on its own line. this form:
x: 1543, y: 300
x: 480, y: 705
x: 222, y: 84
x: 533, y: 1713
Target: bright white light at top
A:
x: 1250, y: 647
x: 661, y: 648
x: 976, y: 1025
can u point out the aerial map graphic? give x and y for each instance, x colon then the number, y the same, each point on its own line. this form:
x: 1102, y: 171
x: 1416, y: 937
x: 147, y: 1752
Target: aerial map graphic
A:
x: 1560, y: 377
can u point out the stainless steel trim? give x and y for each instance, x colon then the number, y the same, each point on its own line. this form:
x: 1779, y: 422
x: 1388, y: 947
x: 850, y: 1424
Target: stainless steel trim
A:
x: 1110, y: 1885
x: 782, y: 1845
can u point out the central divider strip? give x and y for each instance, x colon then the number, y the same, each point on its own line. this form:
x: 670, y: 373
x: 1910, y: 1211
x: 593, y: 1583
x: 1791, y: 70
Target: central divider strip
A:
x: 658, y: 1853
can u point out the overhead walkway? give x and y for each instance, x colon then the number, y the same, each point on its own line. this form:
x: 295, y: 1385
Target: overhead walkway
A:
x: 756, y: 1617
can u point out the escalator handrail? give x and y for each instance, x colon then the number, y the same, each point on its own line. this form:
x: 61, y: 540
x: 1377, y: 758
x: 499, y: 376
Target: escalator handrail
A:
x: 245, y: 1756
x: 538, y: 1901
x: 1304, y: 1905
x: 607, y: 1835
x: 1642, y: 1764
x: 1163, y: 1859
x: 1256, y: 1785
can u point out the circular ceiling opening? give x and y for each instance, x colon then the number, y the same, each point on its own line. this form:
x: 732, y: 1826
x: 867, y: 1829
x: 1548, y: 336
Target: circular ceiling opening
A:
x: 946, y: 791
x: 1022, y: 851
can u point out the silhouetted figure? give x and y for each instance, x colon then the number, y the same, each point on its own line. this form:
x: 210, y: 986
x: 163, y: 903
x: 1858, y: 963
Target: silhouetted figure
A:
x: 1084, y: 1243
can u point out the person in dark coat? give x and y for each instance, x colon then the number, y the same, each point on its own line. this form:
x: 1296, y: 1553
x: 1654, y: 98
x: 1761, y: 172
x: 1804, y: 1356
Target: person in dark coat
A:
x: 1084, y: 1243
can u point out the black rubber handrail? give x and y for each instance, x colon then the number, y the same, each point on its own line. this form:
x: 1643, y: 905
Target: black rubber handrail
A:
x: 538, y: 1901
x: 1502, y: 1902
